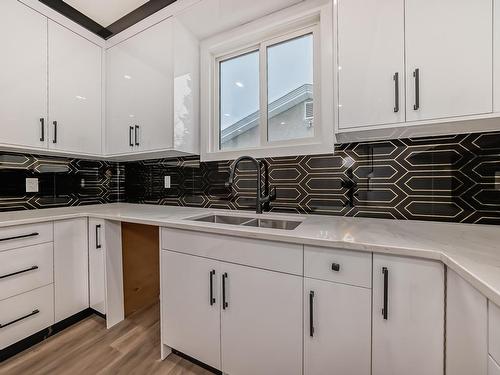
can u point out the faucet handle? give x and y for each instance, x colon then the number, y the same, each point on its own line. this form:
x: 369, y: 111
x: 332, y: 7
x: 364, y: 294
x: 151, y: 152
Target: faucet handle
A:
x: 272, y: 193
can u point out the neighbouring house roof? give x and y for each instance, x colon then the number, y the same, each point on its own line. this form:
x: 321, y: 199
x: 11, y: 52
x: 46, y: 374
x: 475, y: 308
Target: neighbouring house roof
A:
x: 294, y: 97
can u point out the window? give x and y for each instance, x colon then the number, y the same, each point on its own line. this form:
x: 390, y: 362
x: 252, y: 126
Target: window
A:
x: 287, y: 80
x: 264, y: 89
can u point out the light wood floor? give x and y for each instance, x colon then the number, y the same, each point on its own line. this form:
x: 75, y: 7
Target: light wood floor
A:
x: 131, y: 347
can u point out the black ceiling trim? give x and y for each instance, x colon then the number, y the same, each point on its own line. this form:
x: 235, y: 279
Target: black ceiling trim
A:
x: 144, y: 11
x: 123, y: 23
x: 78, y: 17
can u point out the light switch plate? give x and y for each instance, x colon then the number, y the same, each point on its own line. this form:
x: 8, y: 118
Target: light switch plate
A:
x: 167, y: 182
x: 32, y: 185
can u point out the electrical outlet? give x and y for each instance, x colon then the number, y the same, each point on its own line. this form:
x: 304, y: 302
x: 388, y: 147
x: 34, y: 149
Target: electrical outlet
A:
x: 32, y: 185
x: 167, y: 182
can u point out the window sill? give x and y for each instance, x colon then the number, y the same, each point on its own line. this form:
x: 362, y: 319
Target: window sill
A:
x: 306, y: 149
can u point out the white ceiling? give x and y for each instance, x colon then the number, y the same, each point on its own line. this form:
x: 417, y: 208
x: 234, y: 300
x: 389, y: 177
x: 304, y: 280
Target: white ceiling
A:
x: 105, y: 12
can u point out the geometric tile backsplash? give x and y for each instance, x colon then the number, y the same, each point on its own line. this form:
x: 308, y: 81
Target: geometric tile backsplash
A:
x: 452, y: 178
x: 61, y: 182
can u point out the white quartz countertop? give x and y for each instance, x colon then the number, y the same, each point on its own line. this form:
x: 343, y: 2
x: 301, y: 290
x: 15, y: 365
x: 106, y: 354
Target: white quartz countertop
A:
x: 471, y: 250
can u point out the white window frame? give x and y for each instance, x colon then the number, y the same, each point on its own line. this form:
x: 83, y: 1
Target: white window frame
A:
x: 313, y: 17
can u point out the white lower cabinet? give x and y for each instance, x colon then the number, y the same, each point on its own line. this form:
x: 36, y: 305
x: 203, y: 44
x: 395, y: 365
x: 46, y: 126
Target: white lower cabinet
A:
x: 466, y: 328
x: 71, y: 267
x: 191, y: 306
x: 408, y: 316
x: 26, y: 314
x: 239, y: 319
x: 97, y: 268
x: 337, y: 328
x: 261, y: 321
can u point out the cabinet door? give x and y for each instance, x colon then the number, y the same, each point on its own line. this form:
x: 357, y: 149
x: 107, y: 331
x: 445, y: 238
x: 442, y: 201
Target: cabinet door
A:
x: 337, y: 336
x: 261, y: 322
x: 371, y: 62
x: 466, y: 328
x: 71, y: 267
x: 75, y: 88
x: 139, y: 91
x: 23, y: 76
x: 449, y: 42
x: 97, y: 256
x: 408, y: 316
x: 191, y: 306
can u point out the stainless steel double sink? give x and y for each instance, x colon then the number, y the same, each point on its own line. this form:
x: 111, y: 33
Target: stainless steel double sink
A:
x: 258, y: 222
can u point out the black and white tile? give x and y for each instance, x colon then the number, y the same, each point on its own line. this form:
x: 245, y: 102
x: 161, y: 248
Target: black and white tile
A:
x: 62, y: 182
x: 452, y: 178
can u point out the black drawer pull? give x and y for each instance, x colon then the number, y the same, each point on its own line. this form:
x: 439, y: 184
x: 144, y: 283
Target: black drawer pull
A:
x: 55, y: 131
x: 311, y: 313
x: 396, y: 92
x: 130, y: 135
x: 225, y: 305
x: 416, y: 75
x: 42, y: 128
x: 136, y: 133
x: 19, y: 237
x: 98, y: 236
x: 19, y: 319
x: 385, y: 310
x: 19, y: 272
x: 335, y: 267
x: 212, y: 299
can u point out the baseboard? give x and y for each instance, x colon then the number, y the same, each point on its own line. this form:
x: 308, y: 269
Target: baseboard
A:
x: 196, y: 362
x: 42, y: 335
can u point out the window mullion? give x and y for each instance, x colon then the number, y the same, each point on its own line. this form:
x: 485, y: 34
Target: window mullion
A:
x: 263, y: 95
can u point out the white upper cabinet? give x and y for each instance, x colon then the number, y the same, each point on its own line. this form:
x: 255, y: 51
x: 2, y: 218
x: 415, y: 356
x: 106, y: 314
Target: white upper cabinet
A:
x: 408, y: 316
x: 448, y: 58
x: 371, y: 62
x: 23, y: 76
x: 75, y: 88
x: 139, y: 92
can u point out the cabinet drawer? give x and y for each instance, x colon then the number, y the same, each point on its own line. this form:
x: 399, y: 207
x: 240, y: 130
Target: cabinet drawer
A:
x: 25, y: 235
x: 494, y: 331
x: 347, y: 267
x: 276, y: 256
x: 27, y: 314
x: 25, y: 269
x: 493, y: 367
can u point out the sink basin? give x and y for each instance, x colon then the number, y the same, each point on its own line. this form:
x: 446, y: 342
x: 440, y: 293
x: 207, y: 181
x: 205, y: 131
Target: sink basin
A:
x: 250, y: 221
x: 273, y: 223
x: 223, y: 219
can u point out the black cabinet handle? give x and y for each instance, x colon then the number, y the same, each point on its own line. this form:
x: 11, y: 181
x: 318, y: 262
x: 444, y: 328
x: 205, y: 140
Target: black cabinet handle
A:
x: 42, y: 129
x: 416, y: 75
x: 55, y: 131
x: 335, y: 267
x: 136, y: 132
x: 19, y: 272
x: 225, y: 305
x: 212, y: 299
x: 19, y: 319
x: 98, y: 236
x: 385, y: 310
x: 311, y: 313
x: 19, y: 237
x: 130, y: 131
x: 396, y: 92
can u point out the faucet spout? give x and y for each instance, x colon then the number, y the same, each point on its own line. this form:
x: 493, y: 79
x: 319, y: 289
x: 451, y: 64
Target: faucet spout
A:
x: 260, y: 200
